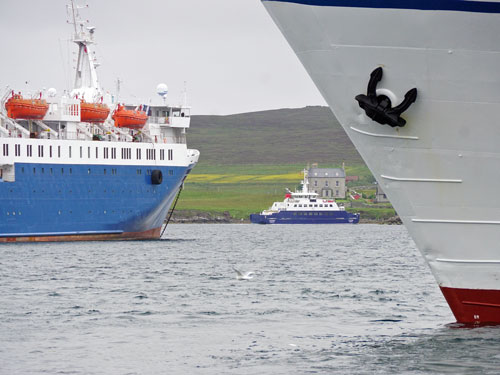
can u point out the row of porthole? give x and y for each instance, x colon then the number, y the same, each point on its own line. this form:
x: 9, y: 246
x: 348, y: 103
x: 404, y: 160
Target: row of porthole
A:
x: 90, y: 191
x: 13, y: 213
x: 311, y: 213
x: 90, y: 212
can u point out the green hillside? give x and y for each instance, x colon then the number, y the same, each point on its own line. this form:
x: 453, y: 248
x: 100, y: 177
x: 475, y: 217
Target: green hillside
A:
x: 283, y: 136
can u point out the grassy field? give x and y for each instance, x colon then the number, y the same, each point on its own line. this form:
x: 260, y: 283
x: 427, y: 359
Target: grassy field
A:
x: 245, y: 189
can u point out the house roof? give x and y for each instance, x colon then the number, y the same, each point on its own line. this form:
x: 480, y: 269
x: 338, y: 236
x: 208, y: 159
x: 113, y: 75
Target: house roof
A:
x: 326, y: 173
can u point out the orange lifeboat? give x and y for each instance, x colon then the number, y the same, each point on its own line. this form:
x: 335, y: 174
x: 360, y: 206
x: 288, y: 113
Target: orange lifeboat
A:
x: 93, y: 112
x: 28, y: 109
x: 129, y: 118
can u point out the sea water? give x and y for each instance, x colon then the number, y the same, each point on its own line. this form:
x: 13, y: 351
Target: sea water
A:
x: 325, y: 299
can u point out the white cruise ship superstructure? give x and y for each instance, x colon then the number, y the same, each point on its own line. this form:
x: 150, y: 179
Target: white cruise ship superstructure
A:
x: 416, y: 86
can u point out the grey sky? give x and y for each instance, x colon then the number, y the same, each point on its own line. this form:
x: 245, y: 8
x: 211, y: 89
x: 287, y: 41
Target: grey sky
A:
x: 231, y: 54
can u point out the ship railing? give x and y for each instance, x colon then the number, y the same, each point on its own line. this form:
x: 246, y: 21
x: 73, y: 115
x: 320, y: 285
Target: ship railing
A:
x: 176, y: 140
x: 18, y: 131
x: 5, y: 96
x: 162, y: 120
x: 47, y: 128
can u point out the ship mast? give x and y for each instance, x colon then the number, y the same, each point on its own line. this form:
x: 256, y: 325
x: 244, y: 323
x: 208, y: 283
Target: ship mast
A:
x: 86, y: 85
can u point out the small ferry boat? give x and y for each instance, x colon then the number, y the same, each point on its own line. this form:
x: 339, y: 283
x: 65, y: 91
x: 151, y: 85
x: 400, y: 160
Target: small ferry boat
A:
x: 304, y: 207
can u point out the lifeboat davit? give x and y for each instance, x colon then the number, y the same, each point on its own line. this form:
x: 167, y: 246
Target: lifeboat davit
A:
x: 27, y: 109
x: 93, y: 112
x: 129, y: 118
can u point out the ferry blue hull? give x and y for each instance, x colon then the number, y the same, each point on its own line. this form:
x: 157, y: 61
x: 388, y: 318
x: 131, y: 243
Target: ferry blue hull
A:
x: 73, y: 202
x: 306, y: 217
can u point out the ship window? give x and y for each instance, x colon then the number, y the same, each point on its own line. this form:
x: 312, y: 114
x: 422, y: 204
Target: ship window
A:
x: 300, y: 205
x: 43, y: 170
x: 315, y: 205
x: 58, y: 151
x: 138, y: 154
x: 106, y: 153
x: 294, y: 205
x: 5, y: 149
x: 162, y: 154
x: 50, y: 151
x: 70, y: 171
x: 69, y: 151
x: 320, y: 214
x: 50, y: 170
x: 96, y: 152
x: 89, y: 153
x: 104, y: 173
x: 331, y: 205
x: 40, y: 151
x: 29, y: 150
x: 310, y: 205
x: 113, y: 152
x: 22, y: 169
x: 34, y: 170
x: 321, y: 205
x: 81, y: 152
x: 88, y: 171
x: 62, y: 170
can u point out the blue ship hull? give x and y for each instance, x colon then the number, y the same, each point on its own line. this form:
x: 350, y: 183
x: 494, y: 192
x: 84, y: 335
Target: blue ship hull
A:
x: 306, y: 217
x: 73, y: 202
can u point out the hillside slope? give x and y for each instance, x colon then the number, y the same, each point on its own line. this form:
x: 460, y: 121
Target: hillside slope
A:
x: 283, y: 136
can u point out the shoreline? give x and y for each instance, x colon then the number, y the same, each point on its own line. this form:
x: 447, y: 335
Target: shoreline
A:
x: 201, y: 217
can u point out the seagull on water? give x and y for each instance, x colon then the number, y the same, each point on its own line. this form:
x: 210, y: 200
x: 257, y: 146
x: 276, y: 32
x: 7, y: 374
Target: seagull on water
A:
x: 244, y: 275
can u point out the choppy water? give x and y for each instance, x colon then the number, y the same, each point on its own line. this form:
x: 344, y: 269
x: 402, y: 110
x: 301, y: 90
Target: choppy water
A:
x: 331, y: 299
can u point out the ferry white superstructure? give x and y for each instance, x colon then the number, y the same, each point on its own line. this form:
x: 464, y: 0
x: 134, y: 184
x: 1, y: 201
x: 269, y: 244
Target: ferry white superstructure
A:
x: 437, y: 160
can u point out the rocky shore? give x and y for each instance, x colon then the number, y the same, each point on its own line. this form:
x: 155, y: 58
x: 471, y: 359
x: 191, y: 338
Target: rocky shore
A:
x: 200, y: 217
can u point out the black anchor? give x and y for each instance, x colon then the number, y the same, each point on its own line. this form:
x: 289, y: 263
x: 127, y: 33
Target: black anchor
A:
x: 379, y: 108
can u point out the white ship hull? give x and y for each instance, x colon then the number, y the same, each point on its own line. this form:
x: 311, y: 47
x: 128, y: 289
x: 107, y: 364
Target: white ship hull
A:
x: 440, y: 171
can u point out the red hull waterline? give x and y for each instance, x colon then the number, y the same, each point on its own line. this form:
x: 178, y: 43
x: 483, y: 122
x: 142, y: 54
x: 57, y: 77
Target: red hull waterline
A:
x: 152, y: 234
x: 474, y: 306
